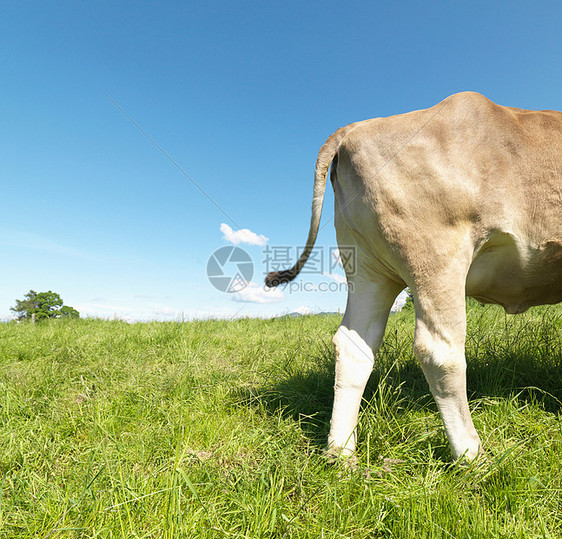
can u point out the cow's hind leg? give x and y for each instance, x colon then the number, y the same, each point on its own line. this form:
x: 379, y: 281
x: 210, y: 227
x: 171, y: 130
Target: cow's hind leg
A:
x: 356, y: 343
x: 439, y: 346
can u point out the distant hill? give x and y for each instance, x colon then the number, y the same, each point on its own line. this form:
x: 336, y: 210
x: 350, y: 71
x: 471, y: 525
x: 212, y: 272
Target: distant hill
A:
x: 297, y: 314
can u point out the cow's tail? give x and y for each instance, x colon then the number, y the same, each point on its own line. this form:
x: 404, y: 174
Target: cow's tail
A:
x: 325, y: 158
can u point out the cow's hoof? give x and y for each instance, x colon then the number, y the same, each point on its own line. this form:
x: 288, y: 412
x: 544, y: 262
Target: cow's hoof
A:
x: 341, y: 457
x: 473, y: 452
x: 469, y: 461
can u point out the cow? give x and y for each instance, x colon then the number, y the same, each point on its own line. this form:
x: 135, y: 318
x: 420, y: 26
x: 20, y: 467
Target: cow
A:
x: 460, y: 199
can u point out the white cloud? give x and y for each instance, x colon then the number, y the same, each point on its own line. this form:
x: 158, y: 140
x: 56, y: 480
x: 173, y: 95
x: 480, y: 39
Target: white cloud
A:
x: 242, y: 236
x: 303, y: 309
x: 336, y: 277
x: 254, y: 293
x: 25, y: 240
x: 130, y: 309
x: 164, y: 311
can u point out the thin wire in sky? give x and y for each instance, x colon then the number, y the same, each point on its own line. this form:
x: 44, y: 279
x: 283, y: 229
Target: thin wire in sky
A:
x: 172, y: 160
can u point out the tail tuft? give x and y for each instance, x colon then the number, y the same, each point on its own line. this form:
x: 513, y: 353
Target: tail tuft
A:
x: 275, y: 278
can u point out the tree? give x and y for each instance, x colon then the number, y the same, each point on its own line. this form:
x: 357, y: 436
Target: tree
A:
x: 43, y: 305
x: 409, y: 305
x: 69, y: 312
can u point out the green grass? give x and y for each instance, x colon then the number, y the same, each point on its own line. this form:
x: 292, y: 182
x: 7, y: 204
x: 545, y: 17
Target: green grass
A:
x: 215, y: 429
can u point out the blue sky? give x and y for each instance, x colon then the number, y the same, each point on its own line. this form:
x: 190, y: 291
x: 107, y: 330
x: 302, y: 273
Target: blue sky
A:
x: 111, y: 111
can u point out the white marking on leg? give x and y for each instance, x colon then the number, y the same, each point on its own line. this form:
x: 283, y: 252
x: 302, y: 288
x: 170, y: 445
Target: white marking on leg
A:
x: 356, y: 343
x: 354, y: 363
x: 444, y: 366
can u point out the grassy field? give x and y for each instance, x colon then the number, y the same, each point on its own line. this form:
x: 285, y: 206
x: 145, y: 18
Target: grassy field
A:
x: 216, y: 428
